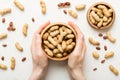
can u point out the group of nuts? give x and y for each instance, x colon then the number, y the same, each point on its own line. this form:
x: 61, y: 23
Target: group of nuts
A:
x: 78, y: 7
x: 12, y: 66
x: 12, y: 28
x: 58, y: 41
x: 8, y: 10
x: 101, y: 15
x: 107, y: 55
x: 70, y: 11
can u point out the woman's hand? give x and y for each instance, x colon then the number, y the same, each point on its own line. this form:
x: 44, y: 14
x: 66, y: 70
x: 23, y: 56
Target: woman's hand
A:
x: 40, y: 61
x: 76, y: 57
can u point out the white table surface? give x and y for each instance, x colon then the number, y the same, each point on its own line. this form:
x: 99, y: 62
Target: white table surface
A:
x: 56, y: 70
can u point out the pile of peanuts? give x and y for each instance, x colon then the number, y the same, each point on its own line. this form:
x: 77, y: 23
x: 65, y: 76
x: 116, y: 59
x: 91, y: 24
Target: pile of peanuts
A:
x: 101, y: 15
x: 58, y: 41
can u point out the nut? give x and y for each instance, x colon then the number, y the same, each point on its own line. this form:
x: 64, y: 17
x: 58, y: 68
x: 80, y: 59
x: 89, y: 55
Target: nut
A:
x: 109, y: 54
x: 12, y: 63
x: 25, y: 28
x: 3, y: 20
x: 5, y: 11
x: 23, y: 59
x: 64, y: 4
x: 3, y: 66
x: 93, y: 42
x: 72, y: 13
x: 3, y: 36
x: 110, y: 37
x: 19, y: 5
x: 2, y: 58
x: 18, y: 46
x: 80, y: 7
x: 33, y: 20
x: 95, y: 55
x: 43, y: 6
x: 113, y: 70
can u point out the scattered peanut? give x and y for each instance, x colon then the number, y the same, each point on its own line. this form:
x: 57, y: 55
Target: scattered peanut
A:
x: 23, y: 59
x: 4, y: 45
x: 64, y: 4
x: 18, y: 46
x: 3, y: 66
x: 19, y: 5
x: 3, y: 20
x: 92, y: 41
x: 110, y: 37
x: 12, y: 63
x: 113, y: 70
x: 109, y: 54
x: 3, y: 36
x: 25, y: 28
x: 2, y: 58
x: 80, y: 7
x: 5, y: 11
x: 43, y: 6
x: 33, y: 19
x: 95, y: 55
x: 73, y: 13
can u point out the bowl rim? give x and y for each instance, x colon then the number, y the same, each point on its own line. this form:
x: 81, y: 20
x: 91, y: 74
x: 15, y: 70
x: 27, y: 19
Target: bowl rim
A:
x: 94, y: 26
x: 54, y: 24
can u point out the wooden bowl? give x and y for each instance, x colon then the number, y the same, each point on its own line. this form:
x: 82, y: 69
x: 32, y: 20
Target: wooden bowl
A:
x: 46, y: 28
x: 95, y: 26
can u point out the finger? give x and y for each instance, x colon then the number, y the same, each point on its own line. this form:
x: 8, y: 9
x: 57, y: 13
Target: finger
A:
x: 38, y: 41
x: 75, y: 27
x: 78, y: 48
x: 80, y: 41
x: 42, y: 27
x: 83, y: 52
